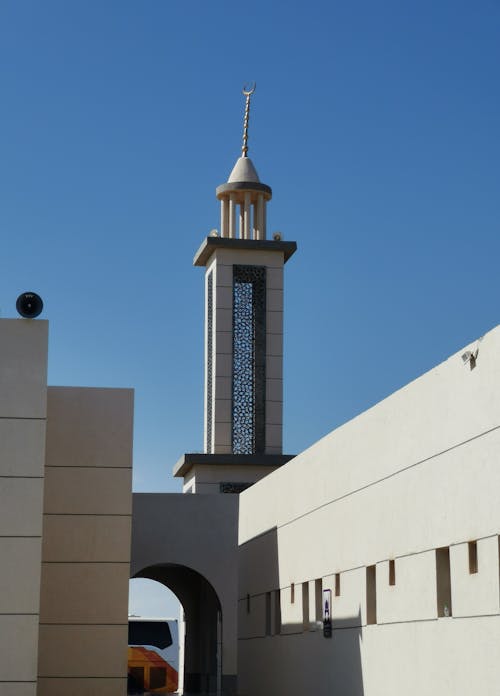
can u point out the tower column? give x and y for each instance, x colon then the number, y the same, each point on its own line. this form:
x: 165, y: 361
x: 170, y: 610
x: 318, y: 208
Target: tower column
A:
x: 224, y: 218
x: 259, y: 226
x: 240, y: 230
x: 246, y: 215
x: 232, y: 215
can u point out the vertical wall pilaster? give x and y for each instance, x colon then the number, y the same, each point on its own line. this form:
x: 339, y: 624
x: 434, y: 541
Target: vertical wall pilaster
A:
x: 274, y: 360
x: 209, y: 359
x: 23, y: 396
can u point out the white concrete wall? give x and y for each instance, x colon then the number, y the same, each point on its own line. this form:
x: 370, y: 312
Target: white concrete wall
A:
x: 416, y: 472
x: 23, y: 393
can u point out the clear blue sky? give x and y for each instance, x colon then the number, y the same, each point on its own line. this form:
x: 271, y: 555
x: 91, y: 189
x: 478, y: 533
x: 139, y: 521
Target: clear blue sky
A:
x: 377, y: 126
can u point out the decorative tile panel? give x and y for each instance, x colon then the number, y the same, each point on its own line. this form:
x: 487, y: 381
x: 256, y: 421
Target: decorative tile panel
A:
x: 249, y: 365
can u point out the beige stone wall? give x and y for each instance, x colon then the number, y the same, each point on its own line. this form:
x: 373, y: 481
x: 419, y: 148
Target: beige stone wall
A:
x: 23, y: 387
x: 86, y: 543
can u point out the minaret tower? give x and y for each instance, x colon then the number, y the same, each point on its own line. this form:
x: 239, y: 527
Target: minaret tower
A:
x: 243, y: 338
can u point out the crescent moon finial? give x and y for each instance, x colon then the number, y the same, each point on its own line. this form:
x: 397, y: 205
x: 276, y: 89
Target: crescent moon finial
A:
x: 247, y: 91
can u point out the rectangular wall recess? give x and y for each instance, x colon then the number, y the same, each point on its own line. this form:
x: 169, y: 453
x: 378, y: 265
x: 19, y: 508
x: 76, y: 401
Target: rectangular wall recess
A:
x: 443, y: 581
x: 277, y: 612
x: 268, y: 613
x: 305, y: 606
x: 392, y: 572
x: 472, y: 557
x: 318, y: 599
x: 371, y: 595
x: 337, y: 584
x: 499, y: 568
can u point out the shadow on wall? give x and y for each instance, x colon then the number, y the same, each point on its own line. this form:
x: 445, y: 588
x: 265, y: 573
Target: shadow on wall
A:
x: 281, y: 646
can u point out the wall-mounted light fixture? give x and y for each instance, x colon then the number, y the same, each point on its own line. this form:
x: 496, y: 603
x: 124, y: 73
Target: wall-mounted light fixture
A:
x: 470, y: 357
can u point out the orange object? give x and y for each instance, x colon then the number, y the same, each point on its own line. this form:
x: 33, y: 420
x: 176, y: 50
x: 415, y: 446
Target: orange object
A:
x: 151, y: 672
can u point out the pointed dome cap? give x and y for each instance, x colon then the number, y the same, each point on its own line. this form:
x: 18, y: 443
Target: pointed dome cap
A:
x: 244, y: 177
x: 244, y: 170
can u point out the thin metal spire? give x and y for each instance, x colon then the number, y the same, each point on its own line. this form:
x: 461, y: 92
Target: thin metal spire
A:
x: 248, y: 93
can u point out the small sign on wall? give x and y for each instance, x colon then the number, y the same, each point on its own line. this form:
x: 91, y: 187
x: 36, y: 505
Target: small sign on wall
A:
x: 327, y: 617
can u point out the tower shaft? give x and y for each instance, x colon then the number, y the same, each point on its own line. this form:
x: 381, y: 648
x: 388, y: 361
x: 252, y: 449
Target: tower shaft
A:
x: 244, y: 346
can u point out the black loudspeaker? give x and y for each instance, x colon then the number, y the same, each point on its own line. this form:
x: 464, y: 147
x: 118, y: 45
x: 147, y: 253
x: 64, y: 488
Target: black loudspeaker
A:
x: 29, y: 305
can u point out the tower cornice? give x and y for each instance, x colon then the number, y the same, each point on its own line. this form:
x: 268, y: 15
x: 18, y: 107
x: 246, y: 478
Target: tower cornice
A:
x: 212, y: 244
x: 188, y: 461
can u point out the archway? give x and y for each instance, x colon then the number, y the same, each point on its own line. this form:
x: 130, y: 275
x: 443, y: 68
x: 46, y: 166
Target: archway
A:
x: 190, y: 544
x: 202, y: 653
